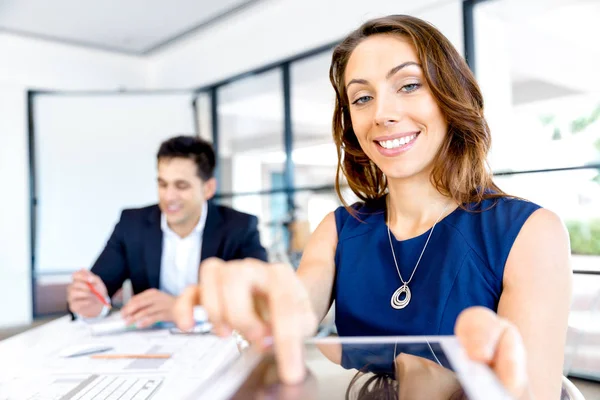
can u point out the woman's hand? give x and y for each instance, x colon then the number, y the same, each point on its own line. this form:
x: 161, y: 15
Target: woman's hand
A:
x: 496, y: 342
x: 258, y: 300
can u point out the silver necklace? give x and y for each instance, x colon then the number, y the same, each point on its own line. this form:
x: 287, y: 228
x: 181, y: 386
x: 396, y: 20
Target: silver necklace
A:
x: 395, y: 301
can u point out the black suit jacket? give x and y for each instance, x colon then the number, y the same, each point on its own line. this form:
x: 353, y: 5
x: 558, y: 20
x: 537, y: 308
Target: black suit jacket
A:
x: 134, y: 250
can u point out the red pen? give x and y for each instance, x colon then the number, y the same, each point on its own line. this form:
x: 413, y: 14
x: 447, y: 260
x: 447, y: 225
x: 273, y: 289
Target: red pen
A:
x: 98, y: 295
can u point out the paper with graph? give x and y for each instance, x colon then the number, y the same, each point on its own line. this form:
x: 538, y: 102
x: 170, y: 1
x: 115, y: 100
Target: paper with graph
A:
x: 33, y: 360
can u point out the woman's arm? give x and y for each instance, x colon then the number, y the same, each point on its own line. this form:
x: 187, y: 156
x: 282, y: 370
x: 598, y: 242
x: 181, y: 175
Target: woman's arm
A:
x: 317, y: 267
x: 259, y: 299
x: 536, y: 298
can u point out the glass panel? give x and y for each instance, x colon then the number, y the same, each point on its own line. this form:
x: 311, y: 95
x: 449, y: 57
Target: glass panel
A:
x: 540, y: 82
x: 283, y: 238
x: 314, y: 153
x: 582, y: 354
x: 251, y: 148
x: 575, y: 196
x: 271, y: 210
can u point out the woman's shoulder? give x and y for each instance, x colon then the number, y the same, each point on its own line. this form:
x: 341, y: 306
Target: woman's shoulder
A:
x: 358, y: 217
x: 498, y: 214
x: 503, y: 204
x: 496, y: 211
x: 491, y: 226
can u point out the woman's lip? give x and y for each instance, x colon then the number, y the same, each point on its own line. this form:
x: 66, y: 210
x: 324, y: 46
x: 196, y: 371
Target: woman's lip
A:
x: 396, y: 151
x: 395, y: 136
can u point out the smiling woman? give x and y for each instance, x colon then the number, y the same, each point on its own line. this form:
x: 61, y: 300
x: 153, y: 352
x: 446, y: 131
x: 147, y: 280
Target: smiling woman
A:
x: 433, y: 237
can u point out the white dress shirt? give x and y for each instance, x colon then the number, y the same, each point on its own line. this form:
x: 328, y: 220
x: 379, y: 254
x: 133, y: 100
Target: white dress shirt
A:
x: 180, y: 260
x: 180, y: 256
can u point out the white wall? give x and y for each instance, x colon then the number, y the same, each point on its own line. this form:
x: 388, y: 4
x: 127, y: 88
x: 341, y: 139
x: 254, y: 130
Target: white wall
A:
x: 46, y: 65
x: 15, y: 265
x: 91, y: 167
x: 28, y: 63
x: 272, y: 30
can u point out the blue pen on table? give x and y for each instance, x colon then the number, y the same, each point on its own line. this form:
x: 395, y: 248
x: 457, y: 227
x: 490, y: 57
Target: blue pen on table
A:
x: 201, y: 324
x: 83, y: 350
x: 118, y: 326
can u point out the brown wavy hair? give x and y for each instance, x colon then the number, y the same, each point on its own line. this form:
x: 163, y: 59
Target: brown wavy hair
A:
x: 381, y: 386
x: 460, y: 168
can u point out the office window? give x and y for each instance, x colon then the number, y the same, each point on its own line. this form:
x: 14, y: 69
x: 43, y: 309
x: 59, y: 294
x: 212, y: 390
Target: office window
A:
x: 582, y: 353
x: 312, y: 110
x: 537, y: 65
x: 314, y: 153
x: 251, y: 149
x: 575, y: 196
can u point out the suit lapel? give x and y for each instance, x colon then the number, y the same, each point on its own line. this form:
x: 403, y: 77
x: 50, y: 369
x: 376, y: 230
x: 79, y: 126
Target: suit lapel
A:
x: 153, y: 248
x: 212, y: 238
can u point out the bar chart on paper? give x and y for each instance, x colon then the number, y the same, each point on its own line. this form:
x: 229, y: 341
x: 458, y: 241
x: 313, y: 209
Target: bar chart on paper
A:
x: 88, y: 387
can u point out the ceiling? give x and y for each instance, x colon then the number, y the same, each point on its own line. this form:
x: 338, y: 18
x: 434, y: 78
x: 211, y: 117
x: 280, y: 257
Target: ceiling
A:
x: 136, y: 27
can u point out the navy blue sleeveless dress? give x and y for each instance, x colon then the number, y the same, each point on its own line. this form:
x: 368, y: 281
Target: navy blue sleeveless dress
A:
x: 462, y: 266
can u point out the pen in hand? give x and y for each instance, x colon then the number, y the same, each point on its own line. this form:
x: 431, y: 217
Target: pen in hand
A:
x: 98, y: 295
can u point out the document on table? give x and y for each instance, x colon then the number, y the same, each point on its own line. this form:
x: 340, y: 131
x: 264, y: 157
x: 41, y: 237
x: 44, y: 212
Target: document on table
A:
x: 85, y: 387
x: 195, y: 361
x: 189, y: 354
x: 35, y: 360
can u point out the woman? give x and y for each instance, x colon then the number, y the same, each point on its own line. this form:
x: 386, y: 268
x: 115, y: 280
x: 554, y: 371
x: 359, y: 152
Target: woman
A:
x: 434, y: 235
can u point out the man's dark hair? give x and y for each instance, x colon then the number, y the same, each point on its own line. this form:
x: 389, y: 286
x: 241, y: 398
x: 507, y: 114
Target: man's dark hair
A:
x: 194, y: 148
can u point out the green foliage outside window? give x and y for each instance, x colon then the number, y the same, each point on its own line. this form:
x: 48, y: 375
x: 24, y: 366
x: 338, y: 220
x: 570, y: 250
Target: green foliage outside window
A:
x: 585, y: 237
x: 581, y: 123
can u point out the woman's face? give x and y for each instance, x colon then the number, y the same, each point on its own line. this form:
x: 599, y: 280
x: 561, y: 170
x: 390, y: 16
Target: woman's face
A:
x: 394, y: 115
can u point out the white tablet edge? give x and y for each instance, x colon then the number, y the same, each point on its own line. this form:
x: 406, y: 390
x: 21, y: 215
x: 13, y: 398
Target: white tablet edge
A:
x: 477, y: 379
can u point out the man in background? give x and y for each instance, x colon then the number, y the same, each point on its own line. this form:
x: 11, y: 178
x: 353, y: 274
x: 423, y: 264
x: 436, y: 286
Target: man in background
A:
x: 160, y: 247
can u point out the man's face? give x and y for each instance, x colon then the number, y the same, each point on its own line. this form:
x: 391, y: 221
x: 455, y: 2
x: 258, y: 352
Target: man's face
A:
x: 181, y: 191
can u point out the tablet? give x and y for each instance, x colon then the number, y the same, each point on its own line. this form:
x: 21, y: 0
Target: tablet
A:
x: 405, y: 368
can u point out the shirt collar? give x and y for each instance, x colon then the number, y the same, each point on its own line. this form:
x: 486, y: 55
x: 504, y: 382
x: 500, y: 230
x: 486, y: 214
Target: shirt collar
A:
x: 198, y: 229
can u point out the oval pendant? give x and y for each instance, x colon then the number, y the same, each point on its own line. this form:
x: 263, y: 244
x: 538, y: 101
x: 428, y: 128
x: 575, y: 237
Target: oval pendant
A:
x: 396, y: 302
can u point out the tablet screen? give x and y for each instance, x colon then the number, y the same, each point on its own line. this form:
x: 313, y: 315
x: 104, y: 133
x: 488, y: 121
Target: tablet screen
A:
x: 378, y: 368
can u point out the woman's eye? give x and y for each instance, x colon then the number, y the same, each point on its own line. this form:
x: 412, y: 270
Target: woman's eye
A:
x: 411, y: 87
x: 362, y: 100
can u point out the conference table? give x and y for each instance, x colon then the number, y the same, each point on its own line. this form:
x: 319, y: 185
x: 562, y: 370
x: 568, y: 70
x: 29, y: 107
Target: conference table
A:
x: 162, y: 364
x: 33, y: 364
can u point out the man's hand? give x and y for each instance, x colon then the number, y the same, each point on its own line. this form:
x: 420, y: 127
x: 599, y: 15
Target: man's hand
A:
x: 149, y: 307
x: 81, y: 299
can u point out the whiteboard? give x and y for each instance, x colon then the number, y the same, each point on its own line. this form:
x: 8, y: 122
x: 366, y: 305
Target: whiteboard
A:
x: 96, y: 155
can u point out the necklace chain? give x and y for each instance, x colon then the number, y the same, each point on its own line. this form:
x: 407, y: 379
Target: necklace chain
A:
x: 430, y: 349
x: 396, y: 302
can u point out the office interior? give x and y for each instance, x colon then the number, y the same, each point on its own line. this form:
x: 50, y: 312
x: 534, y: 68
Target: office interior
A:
x: 87, y: 93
